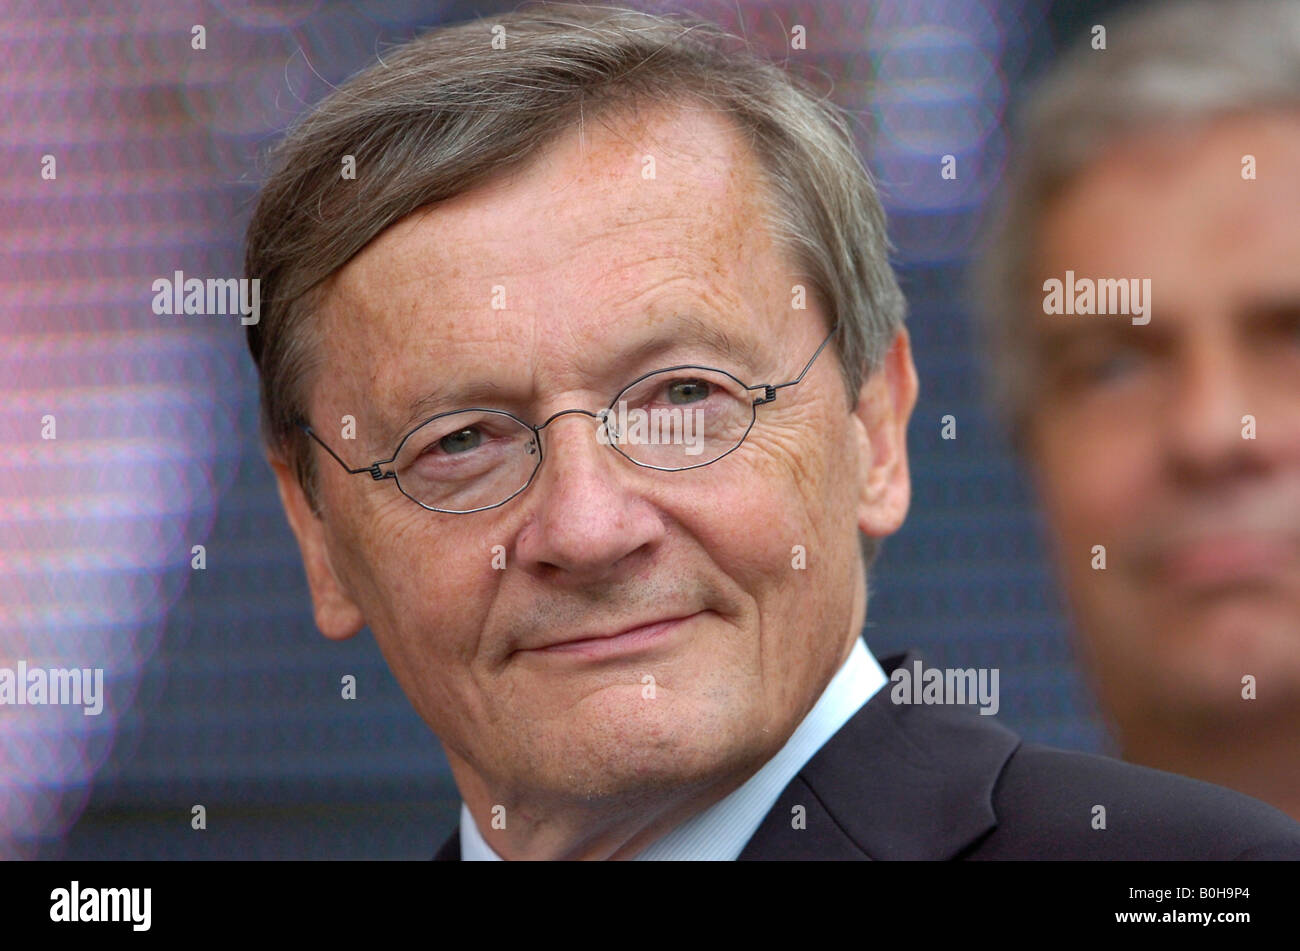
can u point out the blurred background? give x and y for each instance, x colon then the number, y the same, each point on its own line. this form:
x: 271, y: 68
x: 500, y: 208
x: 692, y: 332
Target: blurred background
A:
x: 219, y: 690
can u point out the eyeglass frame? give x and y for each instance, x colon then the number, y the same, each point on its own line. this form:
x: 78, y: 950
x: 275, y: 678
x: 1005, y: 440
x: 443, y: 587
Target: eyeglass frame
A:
x: 378, y: 475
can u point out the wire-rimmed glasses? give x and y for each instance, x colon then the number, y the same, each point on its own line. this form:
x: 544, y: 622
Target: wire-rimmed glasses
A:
x: 479, y: 458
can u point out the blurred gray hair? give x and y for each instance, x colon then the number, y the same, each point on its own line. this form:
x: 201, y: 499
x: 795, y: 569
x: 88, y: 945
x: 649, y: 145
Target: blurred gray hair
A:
x: 1181, y: 62
x: 440, y: 114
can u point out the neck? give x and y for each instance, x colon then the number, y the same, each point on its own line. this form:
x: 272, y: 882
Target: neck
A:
x: 611, y: 830
x: 1258, y: 755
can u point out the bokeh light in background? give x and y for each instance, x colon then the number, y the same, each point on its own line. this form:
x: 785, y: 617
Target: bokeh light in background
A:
x: 219, y: 691
x: 96, y: 524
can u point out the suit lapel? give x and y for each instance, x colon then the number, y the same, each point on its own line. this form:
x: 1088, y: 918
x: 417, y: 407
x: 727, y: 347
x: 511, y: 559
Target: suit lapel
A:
x: 450, y: 851
x: 821, y: 836
x: 897, y: 781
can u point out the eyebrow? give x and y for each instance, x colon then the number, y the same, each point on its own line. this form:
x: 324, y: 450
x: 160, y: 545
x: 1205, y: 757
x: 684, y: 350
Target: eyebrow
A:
x: 684, y: 333
x: 1246, y: 314
x: 688, y: 332
x: 1112, y: 331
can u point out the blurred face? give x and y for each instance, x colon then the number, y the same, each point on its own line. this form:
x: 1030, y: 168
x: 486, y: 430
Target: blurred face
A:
x: 500, y: 625
x: 1138, y: 434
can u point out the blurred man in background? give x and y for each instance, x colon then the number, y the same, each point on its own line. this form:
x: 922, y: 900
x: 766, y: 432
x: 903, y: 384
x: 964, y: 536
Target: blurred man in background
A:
x: 1161, y: 420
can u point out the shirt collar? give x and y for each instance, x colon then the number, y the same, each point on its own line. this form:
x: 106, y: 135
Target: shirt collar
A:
x: 719, y: 833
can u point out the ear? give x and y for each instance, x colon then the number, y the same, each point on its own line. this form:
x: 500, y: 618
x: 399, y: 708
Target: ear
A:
x: 337, y: 615
x: 884, y: 407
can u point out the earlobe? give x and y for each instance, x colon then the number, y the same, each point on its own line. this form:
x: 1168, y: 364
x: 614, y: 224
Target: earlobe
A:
x: 885, y: 404
x: 337, y: 615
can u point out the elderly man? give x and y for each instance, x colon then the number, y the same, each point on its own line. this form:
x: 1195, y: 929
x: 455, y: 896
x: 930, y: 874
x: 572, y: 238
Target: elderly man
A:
x: 587, y: 392
x: 1165, y: 443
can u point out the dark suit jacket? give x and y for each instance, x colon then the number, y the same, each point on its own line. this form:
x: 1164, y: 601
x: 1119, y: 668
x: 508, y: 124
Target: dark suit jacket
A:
x: 933, y: 782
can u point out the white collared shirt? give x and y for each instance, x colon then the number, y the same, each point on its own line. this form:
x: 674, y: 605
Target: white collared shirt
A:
x: 720, y: 832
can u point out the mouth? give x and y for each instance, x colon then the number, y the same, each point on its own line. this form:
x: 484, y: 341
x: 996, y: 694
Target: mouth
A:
x: 616, y: 643
x: 1226, y: 562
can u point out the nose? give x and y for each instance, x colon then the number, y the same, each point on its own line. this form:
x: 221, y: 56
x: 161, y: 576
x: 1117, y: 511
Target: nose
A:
x: 585, y: 515
x: 1204, y: 428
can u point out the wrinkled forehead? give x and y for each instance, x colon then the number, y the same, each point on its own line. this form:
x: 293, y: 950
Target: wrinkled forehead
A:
x: 623, y: 222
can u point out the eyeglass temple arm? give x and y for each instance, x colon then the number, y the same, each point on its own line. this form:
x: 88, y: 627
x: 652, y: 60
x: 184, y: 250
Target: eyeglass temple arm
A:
x: 770, y: 389
x: 373, y: 469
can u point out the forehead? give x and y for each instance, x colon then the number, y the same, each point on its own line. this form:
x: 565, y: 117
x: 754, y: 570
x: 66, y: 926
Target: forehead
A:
x: 1172, y: 205
x: 631, y: 218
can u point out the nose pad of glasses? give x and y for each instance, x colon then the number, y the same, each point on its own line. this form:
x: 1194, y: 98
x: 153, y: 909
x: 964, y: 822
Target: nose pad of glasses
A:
x: 531, y: 446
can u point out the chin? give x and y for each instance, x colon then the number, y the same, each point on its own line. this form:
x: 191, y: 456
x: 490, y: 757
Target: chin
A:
x: 1202, y: 657
x: 623, y: 747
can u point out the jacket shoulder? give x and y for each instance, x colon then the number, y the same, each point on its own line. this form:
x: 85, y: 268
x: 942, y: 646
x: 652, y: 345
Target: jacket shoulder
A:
x: 1054, y: 803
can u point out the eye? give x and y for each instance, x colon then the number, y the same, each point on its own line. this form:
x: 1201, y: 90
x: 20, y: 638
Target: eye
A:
x: 1097, y: 363
x: 1113, y: 366
x: 460, y: 441
x: 688, y: 391
x: 1287, y: 325
x: 461, y: 446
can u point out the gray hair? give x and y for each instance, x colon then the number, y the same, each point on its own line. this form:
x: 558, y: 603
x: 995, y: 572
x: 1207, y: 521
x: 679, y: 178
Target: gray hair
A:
x: 1182, y: 62
x: 438, y: 115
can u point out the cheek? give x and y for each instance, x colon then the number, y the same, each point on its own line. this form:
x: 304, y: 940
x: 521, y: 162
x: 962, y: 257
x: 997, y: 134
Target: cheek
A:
x: 1096, y: 477
x: 785, y: 491
x: 418, y: 574
x: 427, y: 601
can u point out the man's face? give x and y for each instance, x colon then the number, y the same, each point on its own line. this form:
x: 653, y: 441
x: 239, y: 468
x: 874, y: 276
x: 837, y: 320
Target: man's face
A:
x: 607, y: 272
x: 1137, y: 434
